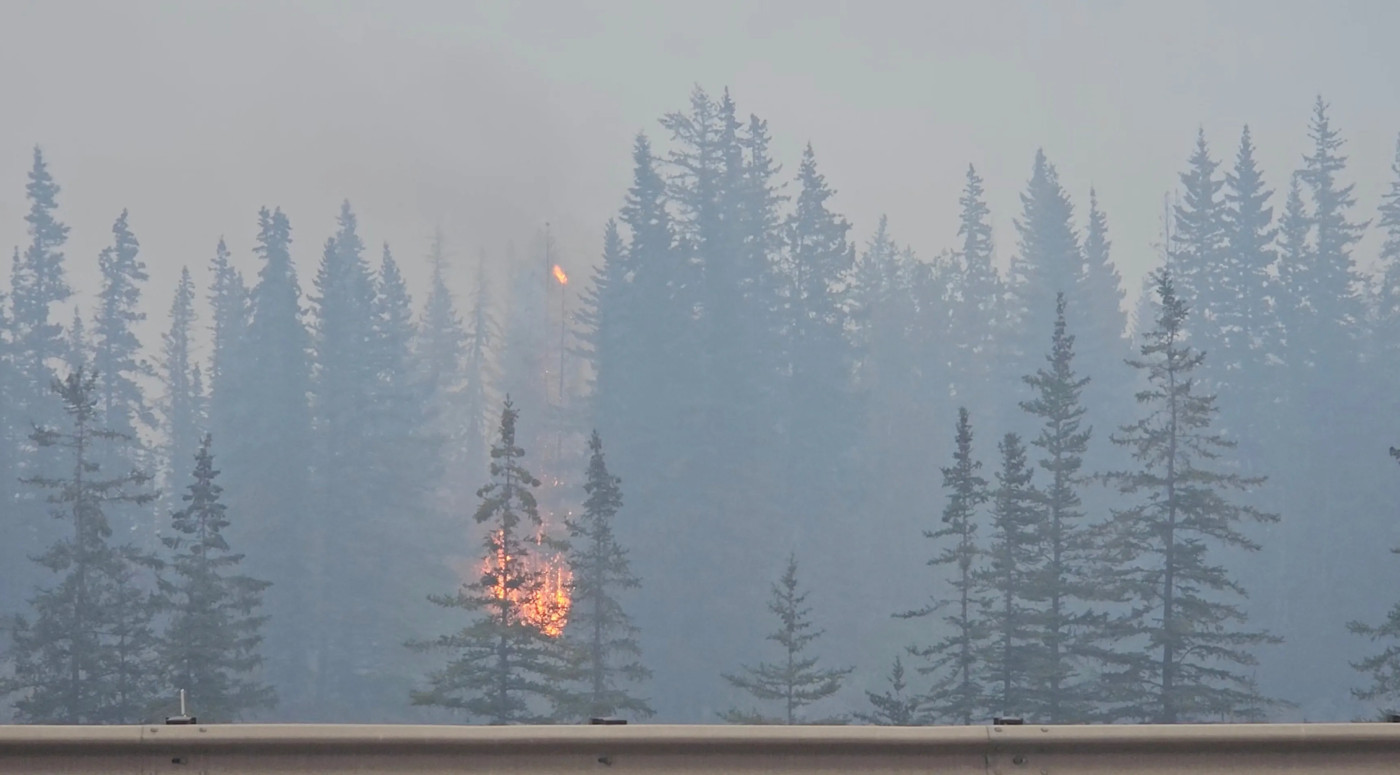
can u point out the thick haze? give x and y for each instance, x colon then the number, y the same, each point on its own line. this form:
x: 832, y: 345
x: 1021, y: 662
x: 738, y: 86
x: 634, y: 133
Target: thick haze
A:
x: 491, y: 118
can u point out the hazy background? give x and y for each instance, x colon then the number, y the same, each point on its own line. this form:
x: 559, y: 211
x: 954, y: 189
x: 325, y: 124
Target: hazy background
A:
x: 491, y: 118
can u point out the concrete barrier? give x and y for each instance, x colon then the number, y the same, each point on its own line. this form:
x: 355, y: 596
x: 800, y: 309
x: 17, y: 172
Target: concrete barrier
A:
x: 1003, y: 750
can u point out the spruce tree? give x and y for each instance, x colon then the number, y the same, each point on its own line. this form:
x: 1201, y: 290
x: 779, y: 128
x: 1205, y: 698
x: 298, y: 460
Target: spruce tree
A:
x: 88, y: 655
x: 38, y: 285
x: 503, y: 666
x: 1198, y: 243
x: 229, y: 312
x: 181, y: 406
x: 211, y: 646
x: 599, y: 632
x: 974, y: 302
x: 1388, y: 298
x: 479, y: 374
x: 267, y: 464
x: 1063, y: 580
x: 1182, y: 641
x: 117, y: 352
x: 795, y: 681
x: 896, y: 707
x: 1047, y: 262
x: 955, y: 659
x: 1014, y: 663
x: 1250, y: 327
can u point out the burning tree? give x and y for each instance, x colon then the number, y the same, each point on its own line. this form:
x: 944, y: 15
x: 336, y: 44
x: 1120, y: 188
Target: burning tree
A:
x: 795, y: 681
x: 507, y: 663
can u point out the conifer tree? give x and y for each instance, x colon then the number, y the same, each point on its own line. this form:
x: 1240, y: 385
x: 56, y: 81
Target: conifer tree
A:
x: 1182, y: 641
x: 88, y: 655
x: 1063, y: 580
x: 267, y: 463
x: 1198, y: 243
x: 600, y: 633
x: 1014, y: 661
x: 896, y: 707
x: 38, y: 284
x: 975, y: 305
x: 795, y: 681
x: 479, y: 374
x: 1388, y: 299
x: 229, y: 305
x: 503, y: 667
x: 955, y: 659
x: 211, y: 645
x: 181, y: 407
x: 1048, y: 259
x: 1250, y: 327
x: 117, y: 352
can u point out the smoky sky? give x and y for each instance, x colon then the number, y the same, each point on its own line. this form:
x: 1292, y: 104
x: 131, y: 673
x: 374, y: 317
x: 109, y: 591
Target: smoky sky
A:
x: 488, y: 119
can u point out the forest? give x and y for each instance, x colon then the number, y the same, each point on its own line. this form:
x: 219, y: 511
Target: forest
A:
x: 744, y: 471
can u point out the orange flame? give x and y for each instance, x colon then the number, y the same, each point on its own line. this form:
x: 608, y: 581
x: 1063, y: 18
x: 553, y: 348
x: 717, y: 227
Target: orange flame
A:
x: 560, y: 276
x: 546, y: 608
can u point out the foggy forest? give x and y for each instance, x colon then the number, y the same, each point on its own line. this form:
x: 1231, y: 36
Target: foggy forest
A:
x: 740, y: 451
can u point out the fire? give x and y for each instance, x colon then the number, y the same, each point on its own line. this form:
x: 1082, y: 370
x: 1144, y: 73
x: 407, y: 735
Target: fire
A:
x: 545, y: 608
x: 560, y: 276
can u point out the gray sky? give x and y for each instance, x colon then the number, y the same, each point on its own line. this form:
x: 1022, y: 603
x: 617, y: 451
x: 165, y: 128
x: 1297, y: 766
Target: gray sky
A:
x: 494, y: 117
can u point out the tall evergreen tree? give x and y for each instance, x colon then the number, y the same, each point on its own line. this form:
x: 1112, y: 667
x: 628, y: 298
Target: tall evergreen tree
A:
x: 503, y: 667
x: 1197, y: 251
x: 954, y: 660
x: 896, y: 707
x: 1047, y: 262
x: 822, y: 405
x: 1183, y: 641
x: 1064, y: 579
x: 342, y: 595
x: 1010, y: 577
x: 230, y: 309
x: 182, y: 404
x: 975, y: 305
x: 479, y: 373
x: 117, y: 352
x: 1250, y: 328
x: 268, y: 468
x: 37, y: 285
x: 600, y: 632
x: 1388, y: 297
x: 210, y: 648
x: 88, y: 655
x: 794, y: 681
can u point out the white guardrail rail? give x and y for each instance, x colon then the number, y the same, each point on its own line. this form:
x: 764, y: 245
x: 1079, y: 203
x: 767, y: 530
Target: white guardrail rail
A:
x: 1004, y: 750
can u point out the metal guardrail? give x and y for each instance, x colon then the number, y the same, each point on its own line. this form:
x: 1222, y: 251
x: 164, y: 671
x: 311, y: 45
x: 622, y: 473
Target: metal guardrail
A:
x: 1002, y: 750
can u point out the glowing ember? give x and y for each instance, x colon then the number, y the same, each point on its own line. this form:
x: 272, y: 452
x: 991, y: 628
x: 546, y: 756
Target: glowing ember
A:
x: 546, y: 608
x: 560, y: 276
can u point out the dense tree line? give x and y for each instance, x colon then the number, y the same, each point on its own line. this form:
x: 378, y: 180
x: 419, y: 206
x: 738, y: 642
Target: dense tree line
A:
x: 769, y: 389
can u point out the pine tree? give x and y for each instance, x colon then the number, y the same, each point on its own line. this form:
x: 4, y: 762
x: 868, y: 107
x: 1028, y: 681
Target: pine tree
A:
x: 344, y: 596
x: 479, y: 374
x: 1048, y: 259
x: 955, y: 659
x: 229, y: 313
x: 600, y: 632
x: 1063, y: 580
x: 181, y: 408
x: 504, y: 666
x: 1198, y: 244
x: 1010, y: 579
x: 1103, y: 341
x: 896, y: 707
x: 795, y: 681
x: 267, y: 463
x: 117, y: 357
x: 88, y: 656
x: 1181, y: 640
x: 823, y: 409
x: 1250, y: 328
x: 210, y: 648
x: 974, y: 304
x: 38, y: 284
